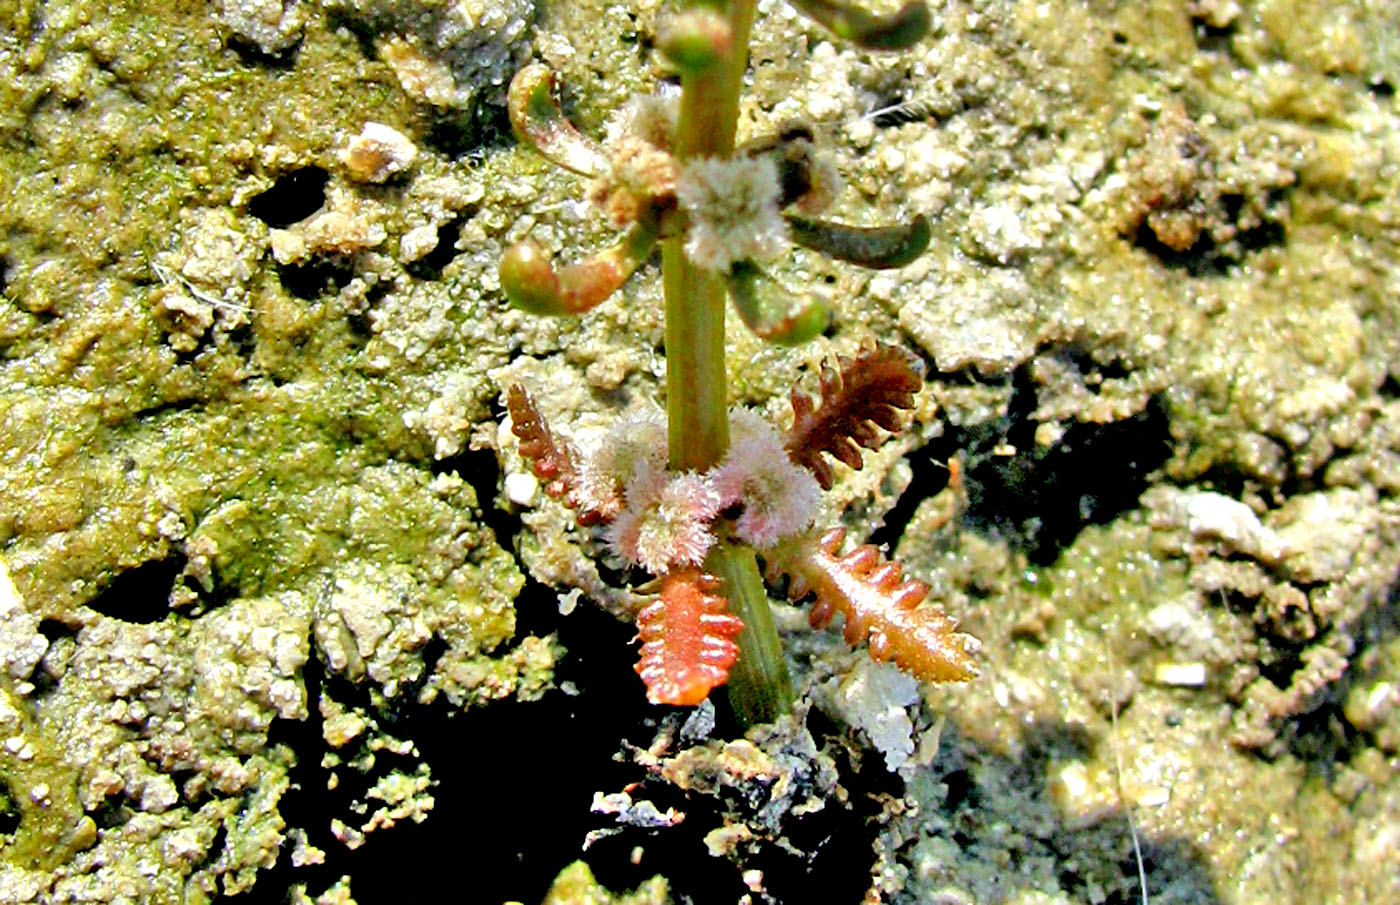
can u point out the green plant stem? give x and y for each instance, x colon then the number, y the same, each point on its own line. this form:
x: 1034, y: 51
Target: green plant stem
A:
x: 696, y: 386
x: 697, y: 396
x: 760, y: 689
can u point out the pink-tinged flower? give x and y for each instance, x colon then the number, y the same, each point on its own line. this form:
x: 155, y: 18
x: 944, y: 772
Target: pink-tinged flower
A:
x: 632, y: 446
x: 665, y: 522
x: 779, y: 498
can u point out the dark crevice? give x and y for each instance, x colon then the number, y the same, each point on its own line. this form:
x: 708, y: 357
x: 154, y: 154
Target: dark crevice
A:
x: 1205, y: 257
x: 358, y: 320
x: 165, y: 408
x: 929, y: 476
x: 429, y: 267
x: 1214, y: 38
x: 364, y: 32
x: 1040, y: 499
x: 216, y: 847
x: 1322, y: 737
x: 250, y: 54
x: 52, y: 630
x: 1086, y: 364
x: 9, y: 811
x: 321, y: 275
x: 45, y: 679
x: 479, y: 468
x: 469, y: 132
x: 243, y: 340
x: 140, y: 594
x: 296, y: 195
x: 1279, y: 663
x: 527, y: 771
x: 825, y: 847
x: 111, y: 813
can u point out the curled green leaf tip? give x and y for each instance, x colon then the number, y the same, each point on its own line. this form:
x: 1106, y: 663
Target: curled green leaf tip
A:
x: 532, y: 284
x: 538, y: 122
x: 877, y: 247
x: 900, y: 30
x: 770, y: 312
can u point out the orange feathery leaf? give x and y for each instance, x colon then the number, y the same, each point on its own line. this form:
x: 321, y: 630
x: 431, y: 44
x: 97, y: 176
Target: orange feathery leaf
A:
x: 687, y: 639
x: 868, y: 392
x: 879, y: 605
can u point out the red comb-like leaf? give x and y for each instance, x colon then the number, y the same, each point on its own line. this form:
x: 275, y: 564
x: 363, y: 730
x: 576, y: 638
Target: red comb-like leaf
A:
x: 869, y: 391
x: 687, y: 639
x: 551, y: 459
x: 879, y: 605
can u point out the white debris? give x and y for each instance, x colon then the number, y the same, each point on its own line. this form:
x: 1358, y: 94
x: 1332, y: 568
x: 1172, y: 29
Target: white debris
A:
x: 874, y: 697
x: 377, y: 153
x: 1187, y: 675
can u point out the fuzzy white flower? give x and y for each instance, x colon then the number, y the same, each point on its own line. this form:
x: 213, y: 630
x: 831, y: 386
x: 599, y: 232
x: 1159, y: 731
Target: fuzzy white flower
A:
x: 779, y: 498
x: 666, y: 520
x: 733, y: 209
x: 632, y: 446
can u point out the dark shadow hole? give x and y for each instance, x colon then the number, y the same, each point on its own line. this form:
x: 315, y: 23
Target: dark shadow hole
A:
x: 111, y: 813
x: 469, y: 132
x: 52, y: 629
x: 1207, y: 258
x: 526, y: 771
x: 322, y: 275
x: 140, y: 594
x: 363, y: 31
x: 1041, y: 499
x: 1212, y: 38
x: 9, y: 811
x: 479, y: 468
x: 295, y: 195
x: 250, y: 54
x: 929, y: 476
x: 429, y: 267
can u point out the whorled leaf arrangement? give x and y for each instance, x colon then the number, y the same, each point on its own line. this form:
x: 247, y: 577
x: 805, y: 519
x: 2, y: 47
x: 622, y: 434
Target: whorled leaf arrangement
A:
x: 687, y: 639
x: 659, y: 204
x: 867, y: 392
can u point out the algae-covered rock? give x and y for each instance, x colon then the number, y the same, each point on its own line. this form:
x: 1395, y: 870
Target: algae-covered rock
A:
x: 208, y: 478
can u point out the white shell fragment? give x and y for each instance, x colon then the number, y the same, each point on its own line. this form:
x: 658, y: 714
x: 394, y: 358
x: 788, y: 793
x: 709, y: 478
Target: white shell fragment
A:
x: 377, y: 153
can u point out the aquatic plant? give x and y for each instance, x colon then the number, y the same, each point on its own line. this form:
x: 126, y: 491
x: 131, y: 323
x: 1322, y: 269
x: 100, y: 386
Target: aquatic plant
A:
x: 694, y: 500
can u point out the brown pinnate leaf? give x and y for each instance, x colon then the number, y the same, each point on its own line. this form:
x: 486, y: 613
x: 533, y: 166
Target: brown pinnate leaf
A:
x: 552, y: 460
x: 687, y: 639
x: 879, y: 605
x: 869, y: 392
